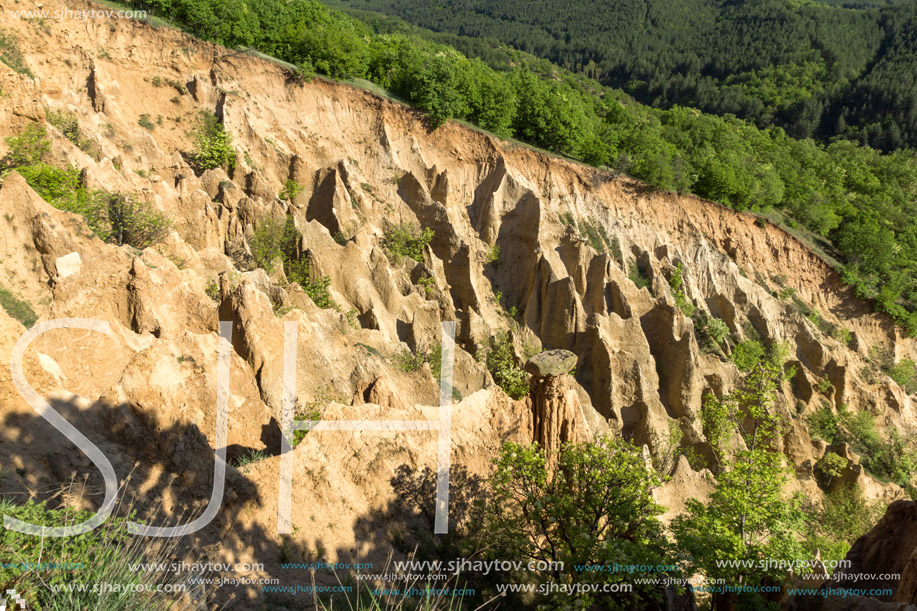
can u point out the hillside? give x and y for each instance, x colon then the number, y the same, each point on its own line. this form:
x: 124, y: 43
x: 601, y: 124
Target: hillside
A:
x: 163, y: 184
x: 816, y: 69
x: 853, y: 204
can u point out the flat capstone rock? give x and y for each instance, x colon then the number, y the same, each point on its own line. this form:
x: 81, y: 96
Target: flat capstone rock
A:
x: 551, y: 363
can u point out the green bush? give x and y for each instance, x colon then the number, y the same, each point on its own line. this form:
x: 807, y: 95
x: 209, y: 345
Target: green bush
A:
x: 213, y: 290
x: 616, y: 252
x: 67, y: 123
x: 677, y: 284
x: 892, y: 457
x: 105, y: 555
x: 59, y: 187
x: 146, y: 123
x: 823, y: 424
x: 291, y: 189
x: 412, y: 361
x: 718, y: 329
x: 115, y: 217
x: 636, y: 275
x: 711, y: 331
x: 408, y: 361
x: 831, y: 465
x: 595, y: 507
x: 904, y: 373
x: 593, y: 236
x: 250, y: 458
x: 119, y: 219
x: 492, y: 255
x: 17, y: 308
x: 317, y: 290
x: 501, y: 362
x: 843, y: 335
x: 270, y: 240
x: 403, y: 241
x: 29, y: 147
x: 747, y: 354
x: 214, y: 145
x: 273, y: 241
x: 11, y: 55
x: 840, y: 519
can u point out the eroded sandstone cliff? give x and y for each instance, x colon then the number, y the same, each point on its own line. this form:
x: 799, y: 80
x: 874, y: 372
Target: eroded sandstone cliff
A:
x: 146, y: 393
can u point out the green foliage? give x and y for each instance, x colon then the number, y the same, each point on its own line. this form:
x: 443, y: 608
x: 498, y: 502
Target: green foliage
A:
x: 273, y: 241
x: 492, y: 255
x: 747, y: 354
x: 833, y: 525
x: 291, y: 189
x: 119, y: 219
x: 29, y: 147
x: 831, y: 465
x: 904, y: 373
x: 17, y: 308
x: 270, y: 240
x: 824, y: 76
x: 595, y: 507
x: 567, y: 220
x: 751, y: 402
x: 595, y: 235
x: 427, y: 283
x: 615, y: 246
x: 668, y: 450
x: 214, y: 145
x: 403, y: 241
x: 115, y: 217
x: 60, y: 187
x: 501, y: 362
x: 408, y: 361
x: 747, y: 517
x: 317, y: 290
x: 146, y: 123
x: 11, y: 55
x: 311, y: 412
x: 677, y: 284
x: 843, y: 335
x: 636, y: 275
x: 891, y: 456
x: 823, y: 424
x: 105, y: 555
x: 718, y: 329
x: 249, y: 458
x: 67, y: 123
x: 712, y: 332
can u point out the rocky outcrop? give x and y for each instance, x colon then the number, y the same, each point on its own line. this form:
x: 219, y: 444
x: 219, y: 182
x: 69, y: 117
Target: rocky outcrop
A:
x: 556, y: 415
x: 556, y: 255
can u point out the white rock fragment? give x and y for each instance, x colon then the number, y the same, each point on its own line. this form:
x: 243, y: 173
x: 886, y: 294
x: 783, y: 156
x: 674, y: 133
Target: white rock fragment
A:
x: 51, y: 366
x: 69, y: 265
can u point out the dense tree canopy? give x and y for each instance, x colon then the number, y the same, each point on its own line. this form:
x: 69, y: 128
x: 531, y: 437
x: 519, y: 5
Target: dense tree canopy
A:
x: 815, y: 68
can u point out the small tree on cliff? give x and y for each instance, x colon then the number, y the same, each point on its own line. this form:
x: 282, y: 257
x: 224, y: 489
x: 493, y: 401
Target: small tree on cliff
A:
x: 747, y: 519
x: 596, y: 508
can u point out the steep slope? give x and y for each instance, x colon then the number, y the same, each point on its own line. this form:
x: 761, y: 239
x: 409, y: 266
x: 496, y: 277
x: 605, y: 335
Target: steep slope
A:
x: 146, y: 393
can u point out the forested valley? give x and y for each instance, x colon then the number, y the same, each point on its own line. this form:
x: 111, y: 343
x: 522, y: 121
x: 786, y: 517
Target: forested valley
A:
x: 817, y: 69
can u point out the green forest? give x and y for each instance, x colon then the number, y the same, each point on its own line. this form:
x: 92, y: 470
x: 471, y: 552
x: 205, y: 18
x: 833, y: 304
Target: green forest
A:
x: 857, y: 203
x: 817, y: 69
